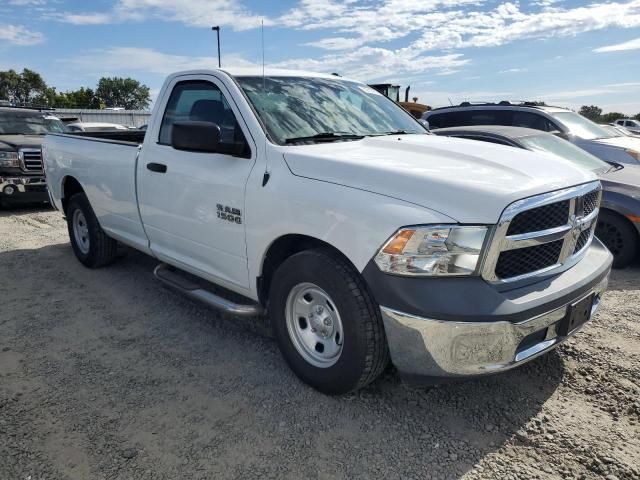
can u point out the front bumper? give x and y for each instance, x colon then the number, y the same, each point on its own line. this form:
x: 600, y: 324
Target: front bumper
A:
x: 21, y: 188
x: 522, y: 324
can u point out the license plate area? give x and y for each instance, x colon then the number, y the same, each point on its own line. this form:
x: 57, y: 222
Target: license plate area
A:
x: 578, y: 314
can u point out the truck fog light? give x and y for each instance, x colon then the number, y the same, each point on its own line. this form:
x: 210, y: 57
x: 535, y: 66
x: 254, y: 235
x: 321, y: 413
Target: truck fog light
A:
x: 9, y: 190
x: 433, y: 250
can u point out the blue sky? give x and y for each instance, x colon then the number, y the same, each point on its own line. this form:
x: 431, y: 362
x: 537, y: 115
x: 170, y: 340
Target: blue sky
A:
x: 564, y: 52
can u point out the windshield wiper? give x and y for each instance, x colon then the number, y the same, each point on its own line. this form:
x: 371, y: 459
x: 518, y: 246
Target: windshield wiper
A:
x: 325, y: 137
x: 397, y: 132
x: 615, y: 166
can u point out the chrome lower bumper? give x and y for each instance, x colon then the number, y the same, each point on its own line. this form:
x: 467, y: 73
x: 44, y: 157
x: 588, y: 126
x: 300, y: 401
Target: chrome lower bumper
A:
x: 425, y: 347
x: 20, y: 184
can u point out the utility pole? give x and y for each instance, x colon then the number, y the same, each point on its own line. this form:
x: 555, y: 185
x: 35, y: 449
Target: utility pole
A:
x: 217, y: 29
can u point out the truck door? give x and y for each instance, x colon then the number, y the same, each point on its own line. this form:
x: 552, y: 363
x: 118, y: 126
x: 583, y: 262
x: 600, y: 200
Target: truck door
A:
x: 192, y: 203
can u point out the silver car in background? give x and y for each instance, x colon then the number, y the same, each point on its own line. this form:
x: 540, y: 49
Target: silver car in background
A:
x: 584, y: 133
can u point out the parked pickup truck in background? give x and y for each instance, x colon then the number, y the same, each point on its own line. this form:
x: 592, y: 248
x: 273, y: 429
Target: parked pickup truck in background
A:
x: 21, y: 133
x: 630, y: 124
x: 316, y: 200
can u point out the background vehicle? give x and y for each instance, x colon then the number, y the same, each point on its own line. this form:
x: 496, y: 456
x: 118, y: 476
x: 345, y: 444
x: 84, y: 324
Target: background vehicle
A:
x: 617, y: 130
x: 393, y: 92
x: 21, y: 133
x: 94, y: 126
x: 316, y: 200
x: 619, y: 222
x: 630, y: 124
x: 568, y: 124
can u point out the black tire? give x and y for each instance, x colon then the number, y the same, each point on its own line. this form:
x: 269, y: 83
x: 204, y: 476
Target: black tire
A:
x: 102, y: 250
x: 364, y: 354
x: 619, y: 236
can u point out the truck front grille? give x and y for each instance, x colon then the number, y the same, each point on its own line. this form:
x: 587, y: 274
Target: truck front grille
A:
x: 31, y: 160
x: 540, y: 218
x: 539, y: 234
x: 514, y: 263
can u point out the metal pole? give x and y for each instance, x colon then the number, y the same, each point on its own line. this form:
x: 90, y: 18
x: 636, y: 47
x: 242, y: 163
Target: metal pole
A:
x: 217, y: 29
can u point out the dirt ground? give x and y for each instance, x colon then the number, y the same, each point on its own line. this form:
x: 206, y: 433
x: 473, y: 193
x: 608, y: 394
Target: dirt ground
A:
x: 105, y: 374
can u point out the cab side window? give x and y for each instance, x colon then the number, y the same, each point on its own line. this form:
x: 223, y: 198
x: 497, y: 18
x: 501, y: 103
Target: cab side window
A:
x: 203, y: 101
x: 532, y: 120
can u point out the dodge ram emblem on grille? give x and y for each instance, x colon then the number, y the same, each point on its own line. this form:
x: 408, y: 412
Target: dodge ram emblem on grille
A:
x: 575, y: 228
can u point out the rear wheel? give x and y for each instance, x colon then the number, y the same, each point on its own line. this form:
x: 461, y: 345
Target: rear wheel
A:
x: 619, y: 236
x: 89, y: 242
x: 327, y: 325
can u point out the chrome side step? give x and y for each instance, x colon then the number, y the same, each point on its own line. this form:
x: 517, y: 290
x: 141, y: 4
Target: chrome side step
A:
x: 191, y: 288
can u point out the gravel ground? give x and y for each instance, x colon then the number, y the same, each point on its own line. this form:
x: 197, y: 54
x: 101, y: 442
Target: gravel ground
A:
x: 105, y: 374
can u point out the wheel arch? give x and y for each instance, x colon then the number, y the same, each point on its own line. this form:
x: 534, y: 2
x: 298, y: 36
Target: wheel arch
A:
x: 70, y: 186
x: 280, y: 250
x: 622, y: 216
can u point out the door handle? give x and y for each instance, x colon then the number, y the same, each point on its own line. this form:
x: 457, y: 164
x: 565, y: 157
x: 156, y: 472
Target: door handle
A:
x: 157, y: 167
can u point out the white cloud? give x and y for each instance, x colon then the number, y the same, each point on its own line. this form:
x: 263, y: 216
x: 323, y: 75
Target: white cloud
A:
x: 619, y: 47
x: 445, y: 25
x: 127, y: 60
x: 20, y: 35
x: 197, y: 13
x: 513, y: 70
x: 25, y: 3
x: 364, y: 64
x: 369, y: 63
x: 85, y: 18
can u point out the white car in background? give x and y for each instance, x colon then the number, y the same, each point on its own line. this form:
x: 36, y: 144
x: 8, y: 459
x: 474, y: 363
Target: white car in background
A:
x: 94, y: 126
x: 630, y: 124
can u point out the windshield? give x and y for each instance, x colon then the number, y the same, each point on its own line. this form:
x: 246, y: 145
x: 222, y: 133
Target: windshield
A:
x: 302, y: 107
x: 55, y: 125
x: 29, y: 125
x: 581, y: 127
x: 552, y: 144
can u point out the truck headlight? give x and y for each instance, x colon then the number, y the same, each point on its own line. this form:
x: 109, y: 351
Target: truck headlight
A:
x: 9, y: 159
x: 433, y: 250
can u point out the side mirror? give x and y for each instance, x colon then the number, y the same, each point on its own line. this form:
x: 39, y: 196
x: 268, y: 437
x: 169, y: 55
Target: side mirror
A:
x: 560, y: 134
x: 195, y: 136
x: 424, y: 123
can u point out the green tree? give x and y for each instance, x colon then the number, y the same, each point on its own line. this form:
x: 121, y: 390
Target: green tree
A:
x: 611, y: 117
x: 81, y: 98
x: 25, y: 87
x: 637, y: 117
x: 591, y: 112
x: 123, y: 92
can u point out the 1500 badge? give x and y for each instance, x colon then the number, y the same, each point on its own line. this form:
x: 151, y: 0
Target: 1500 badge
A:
x: 229, y: 214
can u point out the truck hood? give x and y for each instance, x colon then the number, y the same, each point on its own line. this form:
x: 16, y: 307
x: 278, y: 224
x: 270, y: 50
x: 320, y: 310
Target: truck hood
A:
x: 620, y: 142
x: 20, y: 141
x: 466, y: 180
x: 626, y: 179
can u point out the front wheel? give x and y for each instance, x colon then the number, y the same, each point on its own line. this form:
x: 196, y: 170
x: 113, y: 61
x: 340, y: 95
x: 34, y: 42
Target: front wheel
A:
x: 327, y: 325
x: 89, y: 242
x: 619, y: 236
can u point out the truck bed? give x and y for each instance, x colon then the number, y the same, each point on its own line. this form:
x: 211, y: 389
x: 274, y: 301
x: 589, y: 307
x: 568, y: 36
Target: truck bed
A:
x: 128, y: 136
x: 104, y: 163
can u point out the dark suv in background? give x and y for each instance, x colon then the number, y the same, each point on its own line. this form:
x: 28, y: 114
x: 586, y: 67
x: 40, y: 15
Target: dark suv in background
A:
x: 22, y: 131
x: 565, y: 123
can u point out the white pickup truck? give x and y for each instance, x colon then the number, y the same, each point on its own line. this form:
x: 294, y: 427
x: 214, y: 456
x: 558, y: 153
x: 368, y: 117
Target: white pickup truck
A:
x: 317, y: 201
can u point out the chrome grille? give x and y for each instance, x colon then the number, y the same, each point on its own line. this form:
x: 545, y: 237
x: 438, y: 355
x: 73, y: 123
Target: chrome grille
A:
x: 513, y: 263
x: 590, y: 202
x: 540, y: 234
x: 540, y: 218
x: 31, y: 159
